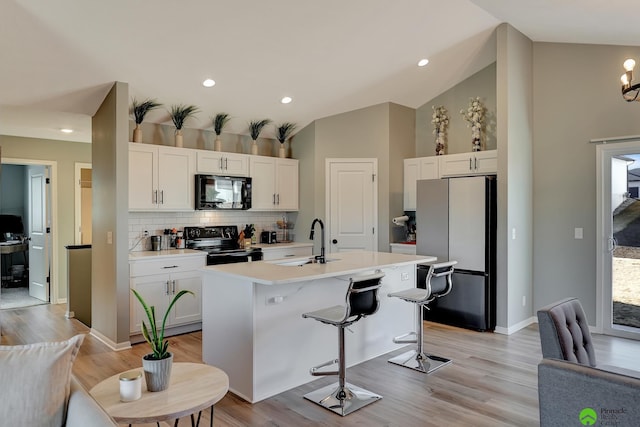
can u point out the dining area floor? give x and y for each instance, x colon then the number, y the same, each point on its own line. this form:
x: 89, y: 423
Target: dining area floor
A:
x: 491, y: 382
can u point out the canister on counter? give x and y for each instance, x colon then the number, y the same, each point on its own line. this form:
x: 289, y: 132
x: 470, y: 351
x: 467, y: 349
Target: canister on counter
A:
x: 130, y: 386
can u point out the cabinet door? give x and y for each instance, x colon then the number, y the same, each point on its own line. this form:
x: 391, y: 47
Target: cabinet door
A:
x: 486, y: 162
x: 456, y: 164
x: 263, y: 193
x: 143, y: 176
x: 411, y: 175
x: 287, y: 184
x: 188, y: 309
x: 175, y: 178
x: 154, y: 290
x: 429, y: 167
x: 209, y: 162
x: 235, y: 164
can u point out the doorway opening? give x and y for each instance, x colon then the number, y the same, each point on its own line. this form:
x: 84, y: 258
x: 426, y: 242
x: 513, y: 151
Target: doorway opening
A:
x: 28, y: 249
x: 619, y: 224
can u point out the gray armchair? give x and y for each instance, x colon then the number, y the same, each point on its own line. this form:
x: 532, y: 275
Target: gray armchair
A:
x: 572, y: 388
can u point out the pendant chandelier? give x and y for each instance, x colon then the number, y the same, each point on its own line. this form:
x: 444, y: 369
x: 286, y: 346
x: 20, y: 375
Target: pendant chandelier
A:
x: 630, y: 91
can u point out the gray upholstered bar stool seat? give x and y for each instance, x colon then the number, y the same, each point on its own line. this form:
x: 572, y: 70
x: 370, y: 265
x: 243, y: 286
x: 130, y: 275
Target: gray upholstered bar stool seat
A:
x: 361, y: 300
x: 437, y: 284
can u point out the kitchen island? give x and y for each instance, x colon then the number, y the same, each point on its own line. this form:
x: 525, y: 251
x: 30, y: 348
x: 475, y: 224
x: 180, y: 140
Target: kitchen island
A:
x: 252, y: 325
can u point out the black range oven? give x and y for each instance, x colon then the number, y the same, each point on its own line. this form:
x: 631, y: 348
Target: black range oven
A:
x: 221, y: 244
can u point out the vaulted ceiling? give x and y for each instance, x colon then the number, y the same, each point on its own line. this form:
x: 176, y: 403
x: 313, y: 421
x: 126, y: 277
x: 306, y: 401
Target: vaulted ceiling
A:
x: 59, y: 58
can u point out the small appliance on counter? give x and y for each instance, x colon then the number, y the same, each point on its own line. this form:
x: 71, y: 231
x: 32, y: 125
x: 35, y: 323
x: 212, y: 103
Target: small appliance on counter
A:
x: 268, y: 237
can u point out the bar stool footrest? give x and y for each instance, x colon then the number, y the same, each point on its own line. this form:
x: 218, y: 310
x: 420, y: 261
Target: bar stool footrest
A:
x: 422, y: 362
x: 404, y: 339
x: 342, y: 401
x: 315, y: 370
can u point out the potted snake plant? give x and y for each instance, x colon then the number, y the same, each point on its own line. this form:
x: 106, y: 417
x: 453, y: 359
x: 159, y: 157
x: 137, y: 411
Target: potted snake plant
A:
x: 157, y: 364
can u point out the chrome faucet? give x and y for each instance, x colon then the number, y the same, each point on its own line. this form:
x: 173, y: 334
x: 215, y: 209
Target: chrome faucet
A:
x: 320, y: 258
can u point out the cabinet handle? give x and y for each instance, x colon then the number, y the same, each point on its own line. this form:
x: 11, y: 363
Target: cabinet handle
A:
x: 166, y: 291
x: 221, y: 163
x: 226, y: 163
x: 171, y: 266
x: 470, y: 164
x: 475, y: 163
x: 289, y: 255
x: 274, y: 198
x: 154, y: 198
x: 278, y: 199
x: 173, y: 287
x: 162, y: 197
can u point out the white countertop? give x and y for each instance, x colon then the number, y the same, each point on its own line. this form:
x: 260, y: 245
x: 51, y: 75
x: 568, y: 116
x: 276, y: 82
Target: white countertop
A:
x: 267, y: 246
x: 152, y: 255
x: 270, y: 273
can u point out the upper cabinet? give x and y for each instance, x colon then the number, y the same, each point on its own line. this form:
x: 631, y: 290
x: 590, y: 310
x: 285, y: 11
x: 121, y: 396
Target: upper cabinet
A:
x: 414, y: 170
x: 465, y: 164
x: 449, y: 165
x: 274, y: 183
x: 160, y: 178
x: 219, y: 163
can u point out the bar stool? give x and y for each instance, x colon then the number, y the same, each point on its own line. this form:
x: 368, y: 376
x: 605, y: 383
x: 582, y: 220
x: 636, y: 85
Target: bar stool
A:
x: 417, y: 359
x: 361, y: 300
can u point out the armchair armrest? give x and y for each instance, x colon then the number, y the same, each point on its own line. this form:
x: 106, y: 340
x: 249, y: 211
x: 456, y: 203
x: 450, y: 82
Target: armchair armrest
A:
x: 83, y: 410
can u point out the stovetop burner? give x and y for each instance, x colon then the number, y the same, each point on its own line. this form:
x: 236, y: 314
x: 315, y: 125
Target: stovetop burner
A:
x: 221, y: 244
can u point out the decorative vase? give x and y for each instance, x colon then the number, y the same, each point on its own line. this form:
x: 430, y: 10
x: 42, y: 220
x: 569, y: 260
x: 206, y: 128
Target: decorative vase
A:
x: 157, y: 373
x: 476, y: 141
x: 254, y: 147
x: 217, y: 144
x: 179, y: 141
x: 282, y: 152
x: 439, y: 144
x: 137, y: 133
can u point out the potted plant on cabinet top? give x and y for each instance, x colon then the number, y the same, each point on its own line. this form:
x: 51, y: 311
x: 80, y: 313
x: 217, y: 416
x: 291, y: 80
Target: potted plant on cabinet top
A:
x: 283, y: 132
x: 157, y: 364
x: 179, y: 114
x: 255, y: 127
x: 139, y: 110
x: 219, y: 122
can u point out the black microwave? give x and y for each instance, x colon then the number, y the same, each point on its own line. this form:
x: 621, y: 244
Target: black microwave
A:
x: 222, y: 192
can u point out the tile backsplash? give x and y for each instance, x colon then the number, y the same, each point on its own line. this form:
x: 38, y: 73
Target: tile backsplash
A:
x: 156, y: 222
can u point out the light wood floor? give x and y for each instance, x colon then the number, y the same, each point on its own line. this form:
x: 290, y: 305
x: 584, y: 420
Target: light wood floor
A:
x: 492, y: 381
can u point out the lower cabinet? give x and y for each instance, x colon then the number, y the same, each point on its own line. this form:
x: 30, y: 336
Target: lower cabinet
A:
x: 158, y: 282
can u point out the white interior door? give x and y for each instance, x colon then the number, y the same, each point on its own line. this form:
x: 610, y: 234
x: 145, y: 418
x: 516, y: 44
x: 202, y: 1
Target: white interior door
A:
x: 618, y: 254
x: 38, y: 233
x: 352, y: 198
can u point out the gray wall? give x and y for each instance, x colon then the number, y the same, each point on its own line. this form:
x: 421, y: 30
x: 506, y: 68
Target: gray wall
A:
x: 481, y: 84
x: 65, y: 154
x: 402, y: 124
x: 515, y: 176
x: 110, y: 260
x: 13, y: 191
x: 576, y: 98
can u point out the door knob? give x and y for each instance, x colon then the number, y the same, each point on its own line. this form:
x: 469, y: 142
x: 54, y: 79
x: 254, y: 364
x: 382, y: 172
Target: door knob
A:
x: 334, y: 241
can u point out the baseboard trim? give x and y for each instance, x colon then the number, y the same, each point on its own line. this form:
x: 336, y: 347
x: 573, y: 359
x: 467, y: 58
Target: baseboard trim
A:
x: 515, y: 328
x: 109, y: 343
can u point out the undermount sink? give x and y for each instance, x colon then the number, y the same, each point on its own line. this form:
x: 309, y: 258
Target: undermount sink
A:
x: 299, y: 262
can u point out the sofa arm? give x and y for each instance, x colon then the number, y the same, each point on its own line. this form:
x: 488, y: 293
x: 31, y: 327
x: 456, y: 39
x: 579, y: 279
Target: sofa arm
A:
x: 565, y: 389
x: 83, y: 410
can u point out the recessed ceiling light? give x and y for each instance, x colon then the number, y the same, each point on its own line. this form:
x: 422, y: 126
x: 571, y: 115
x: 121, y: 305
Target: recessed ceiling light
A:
x: 286, y: 100
x: 66, y: 130
x: 208, y: 83
x: 423, y: 62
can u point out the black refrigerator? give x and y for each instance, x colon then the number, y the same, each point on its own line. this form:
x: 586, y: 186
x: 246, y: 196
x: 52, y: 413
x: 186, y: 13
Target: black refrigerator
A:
x: 456, y: 220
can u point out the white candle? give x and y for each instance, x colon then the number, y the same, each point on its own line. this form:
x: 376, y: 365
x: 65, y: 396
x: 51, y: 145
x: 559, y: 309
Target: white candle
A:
x: 130, y: 386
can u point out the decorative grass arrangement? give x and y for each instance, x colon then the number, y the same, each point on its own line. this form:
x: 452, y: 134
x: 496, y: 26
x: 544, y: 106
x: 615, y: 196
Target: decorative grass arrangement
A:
x: 140, y: 109
x: 255, y: 127
x: 219, y: 122
x: 180, y: 113
x: 283, y: 131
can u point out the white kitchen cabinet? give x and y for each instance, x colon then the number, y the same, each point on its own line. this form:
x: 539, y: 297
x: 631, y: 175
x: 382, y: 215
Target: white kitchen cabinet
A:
x: 414, y: 170
x: 160, y: 178
x: 466, y: 164
x: 217, y: 162
x: 158, y: 281
x: 403, y: 248
x: 274, y: 183
x: 279, y: 252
